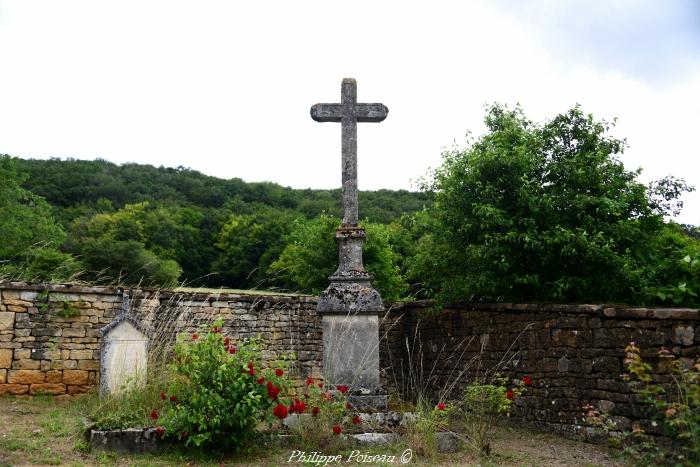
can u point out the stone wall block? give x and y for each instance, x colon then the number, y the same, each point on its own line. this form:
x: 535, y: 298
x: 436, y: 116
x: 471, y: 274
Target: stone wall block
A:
x: 683, y: 334
x: 6, y: 358
x: 14, y: 389
x: 47, y: 388
x: 54, y: 376
x: 7, y: 320
x: 26, y: 364
x: 3, y: 376
x: 25, y: 376
x: 75, y: 377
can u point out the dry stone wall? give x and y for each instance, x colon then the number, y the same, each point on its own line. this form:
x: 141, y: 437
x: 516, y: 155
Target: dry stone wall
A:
x: 50, y: 335
x: 50, y: 339
x: 573, y: 353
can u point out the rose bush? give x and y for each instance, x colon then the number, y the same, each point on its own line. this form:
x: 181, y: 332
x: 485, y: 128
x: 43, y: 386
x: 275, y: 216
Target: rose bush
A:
x: 221, y: 391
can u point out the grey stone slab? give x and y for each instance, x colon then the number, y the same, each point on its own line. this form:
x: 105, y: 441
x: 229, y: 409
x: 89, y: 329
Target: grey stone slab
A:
x: 351, y: 352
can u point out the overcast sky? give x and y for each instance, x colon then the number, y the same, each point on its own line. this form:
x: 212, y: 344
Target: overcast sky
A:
x: 225, y: 87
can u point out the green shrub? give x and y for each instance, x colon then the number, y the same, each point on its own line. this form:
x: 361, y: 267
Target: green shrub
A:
x: 330, y: 415
x: 221, y: 391
x: 482, y: 402
x: 676, y: 408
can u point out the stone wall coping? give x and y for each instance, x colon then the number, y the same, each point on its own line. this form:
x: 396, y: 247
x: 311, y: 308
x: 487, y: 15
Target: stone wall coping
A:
x: 603, y: 310
x: 63, y: 288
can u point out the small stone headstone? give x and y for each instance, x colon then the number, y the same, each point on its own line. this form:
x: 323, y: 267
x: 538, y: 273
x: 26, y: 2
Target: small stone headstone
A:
x: 124, y: 354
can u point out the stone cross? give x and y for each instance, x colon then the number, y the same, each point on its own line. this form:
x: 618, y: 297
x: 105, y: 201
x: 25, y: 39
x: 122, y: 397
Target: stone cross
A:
x: 350, y: 306
x: 348, y: 113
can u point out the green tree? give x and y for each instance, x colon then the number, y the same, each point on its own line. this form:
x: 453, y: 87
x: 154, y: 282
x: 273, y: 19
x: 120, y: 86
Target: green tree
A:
x: 530, y: 212
x: 311, y: 256
x: 30, y: 235
x: 119, y: 247
x: 249, y: 243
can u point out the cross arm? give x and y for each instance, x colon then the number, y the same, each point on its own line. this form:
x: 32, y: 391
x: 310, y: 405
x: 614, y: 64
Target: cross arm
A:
x: 371, y: 112
x: 327, y: 112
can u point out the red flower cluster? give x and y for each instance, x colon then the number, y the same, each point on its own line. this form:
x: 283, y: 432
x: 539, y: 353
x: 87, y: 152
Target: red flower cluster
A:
x: 261, y: 380
x: 441, y: 406
x: 272, y: 390
x: 162, y: 395
x: 320, y: 385
x: 251, y: 368
x: 527, y: 381
x: 337, y: 429
x: 173, y: 398
x: 195, y: 336
x: 216, y: 329
x: 343, y: 389
x: 297, y: 407
x: 315, y: 411
x: 509, y: 394
x: 231, y: 349
x: 280, y: 411
x: 356, y: 420
x: 227, y: 341
x: 279, y: 372
x: 309, y: 381
x: 160, y: 431
x: 154, y: 414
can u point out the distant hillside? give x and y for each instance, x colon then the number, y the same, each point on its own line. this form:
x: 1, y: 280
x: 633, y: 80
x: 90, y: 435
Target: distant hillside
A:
x: 73, y: 187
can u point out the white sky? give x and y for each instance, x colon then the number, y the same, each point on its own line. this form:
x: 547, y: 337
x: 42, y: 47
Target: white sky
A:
x: 225, y: 87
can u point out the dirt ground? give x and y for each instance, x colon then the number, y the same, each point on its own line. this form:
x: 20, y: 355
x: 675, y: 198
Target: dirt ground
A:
x: 43, y: 431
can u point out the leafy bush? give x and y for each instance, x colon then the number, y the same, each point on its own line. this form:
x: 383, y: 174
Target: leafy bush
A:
x: 482, y: 402
x: 676, y: 407
x: 330, y: 414
x: 221, y: 391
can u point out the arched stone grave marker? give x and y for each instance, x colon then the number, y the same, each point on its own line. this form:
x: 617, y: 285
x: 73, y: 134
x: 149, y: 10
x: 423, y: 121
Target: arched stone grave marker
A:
x: 123, y: 352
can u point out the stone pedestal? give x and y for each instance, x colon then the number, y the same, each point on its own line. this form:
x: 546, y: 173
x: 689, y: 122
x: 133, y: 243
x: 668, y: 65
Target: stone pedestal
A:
x: 349, y: 310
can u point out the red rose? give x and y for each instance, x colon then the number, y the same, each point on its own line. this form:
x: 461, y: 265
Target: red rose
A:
x: 441, y: 406
x: 251, y: 372
x: 279, y: 372
x: 315, y: 411
x: 261, y: 380
x: 320, y: 385
x: 227, y: 341
x: 280, y: 411
x: 348, y: 405
x: 160, y: 431
x: 299, y: 406
x: 356, y: 420
x: 216, y: 329
x: 527, y: 380
x: 162, y: 395
x: 232, y: 349
x: 250, y: 365
x: 343, y: 389
x: 154, y: 414
x: 309, y: 381
x: 509, y: 394
x: 173, y: 399
x: 337, y: 429
x: 272, y: 391
x: 195, y: 336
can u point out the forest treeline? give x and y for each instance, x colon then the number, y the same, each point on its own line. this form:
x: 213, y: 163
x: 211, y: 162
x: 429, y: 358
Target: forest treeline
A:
x: 526, y: 212
x: 135, y: 223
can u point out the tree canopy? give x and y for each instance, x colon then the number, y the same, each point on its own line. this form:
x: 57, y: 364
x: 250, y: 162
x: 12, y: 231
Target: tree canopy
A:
x: 548, y: 212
